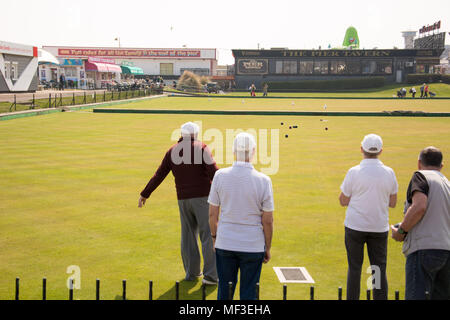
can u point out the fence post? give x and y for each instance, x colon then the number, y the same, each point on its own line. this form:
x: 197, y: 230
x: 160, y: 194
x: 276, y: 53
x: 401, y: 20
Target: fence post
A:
x: 311, y: 293
x: 230, y: 290
x: 340, y: 293
x: 104, y: 96
x: 49, y: 100
x: 397, y: 295
x: 95, y: 96
x: 257, y: 291
x: 71, y: 289
x: 124, y: 289
x: 284, y: 292
x: 44, y: 289
x: 177, y: 290
x: 33, y: 102
x: 17, y: 288
x: 97, y: 289
x: 60, y: 100
x: 150, y: 290
x: 368, y: 294
x: 84, y: 100
x: 203, y: 291
x: 427, y: 295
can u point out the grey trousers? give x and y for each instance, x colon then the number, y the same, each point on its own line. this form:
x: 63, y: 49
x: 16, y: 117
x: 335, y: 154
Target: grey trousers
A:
x: 194, y: 216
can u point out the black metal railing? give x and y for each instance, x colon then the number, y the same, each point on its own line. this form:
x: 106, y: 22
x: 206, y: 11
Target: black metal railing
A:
x: 176, y: 296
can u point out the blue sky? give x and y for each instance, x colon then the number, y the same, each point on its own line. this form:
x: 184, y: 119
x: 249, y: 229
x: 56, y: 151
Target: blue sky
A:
x: 217, y: 24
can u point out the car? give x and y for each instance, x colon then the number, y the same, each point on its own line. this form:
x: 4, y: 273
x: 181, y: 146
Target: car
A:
x: 212, y: 87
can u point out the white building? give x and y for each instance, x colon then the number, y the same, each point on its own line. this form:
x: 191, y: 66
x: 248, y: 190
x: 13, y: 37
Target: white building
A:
x: 170, y: 63
x: 18, y: 67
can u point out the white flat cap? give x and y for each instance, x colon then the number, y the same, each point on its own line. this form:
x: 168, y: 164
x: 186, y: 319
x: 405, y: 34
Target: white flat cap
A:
x: 244, y: 142
x: 189, y: 128
x: 372, y: 143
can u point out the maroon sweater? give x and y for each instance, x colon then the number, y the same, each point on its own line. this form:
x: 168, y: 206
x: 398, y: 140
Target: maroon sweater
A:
x: 193, y: 172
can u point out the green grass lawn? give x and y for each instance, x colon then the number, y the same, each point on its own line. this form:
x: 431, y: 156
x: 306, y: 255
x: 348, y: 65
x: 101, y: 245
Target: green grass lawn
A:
x: 71, y: 182
x: 387, y: 91
x: 217, y: 103
x: 441, y: 89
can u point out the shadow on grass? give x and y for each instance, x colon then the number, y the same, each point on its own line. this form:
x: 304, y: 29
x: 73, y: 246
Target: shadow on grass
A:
x: 184, y: 291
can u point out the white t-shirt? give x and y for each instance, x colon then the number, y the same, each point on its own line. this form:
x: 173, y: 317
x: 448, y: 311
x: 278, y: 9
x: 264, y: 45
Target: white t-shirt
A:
x: 242, y: 194
x: 369, y: 186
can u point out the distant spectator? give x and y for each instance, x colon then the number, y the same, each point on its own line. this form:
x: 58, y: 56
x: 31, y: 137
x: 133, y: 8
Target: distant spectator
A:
x: 265, y: 88
x: 403, y: 92
x: 432, y: 94
x: 413, y: 92
x: 62, y: 82
x: 422, y: 90
x: 253, y: 90
x: 427, y: 89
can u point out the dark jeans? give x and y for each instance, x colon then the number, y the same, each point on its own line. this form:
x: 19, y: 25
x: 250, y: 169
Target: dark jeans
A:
x: 428, y: 270
x: 248, y: 264
x: 377, y: 251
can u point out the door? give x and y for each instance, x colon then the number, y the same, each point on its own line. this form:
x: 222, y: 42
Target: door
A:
x: 398, y: 78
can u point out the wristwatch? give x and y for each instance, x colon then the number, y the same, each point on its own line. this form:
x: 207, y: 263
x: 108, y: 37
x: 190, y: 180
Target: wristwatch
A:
x: 401, y: 231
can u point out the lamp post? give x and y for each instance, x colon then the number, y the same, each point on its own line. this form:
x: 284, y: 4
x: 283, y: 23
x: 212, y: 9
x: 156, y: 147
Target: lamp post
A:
x: 117, y: 39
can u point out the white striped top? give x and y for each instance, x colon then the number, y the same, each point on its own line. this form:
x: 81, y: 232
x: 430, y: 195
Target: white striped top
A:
x: 242, y: 194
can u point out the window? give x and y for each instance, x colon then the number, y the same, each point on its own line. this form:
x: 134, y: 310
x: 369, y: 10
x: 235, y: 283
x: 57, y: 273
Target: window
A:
x: 166, y: 69
x: 353, y: 66
x: 368, y: 66
x: 384, y: 67
x: 321, y: 66
x: 71, y: 72
x: 306, y: 67
x: 286, y: 67
x: 7, y: 70
x: 338, y: 67
x: 14, y: 70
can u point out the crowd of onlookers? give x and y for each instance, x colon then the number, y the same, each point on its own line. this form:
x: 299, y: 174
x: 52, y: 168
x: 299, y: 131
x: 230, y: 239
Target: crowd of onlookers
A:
x: 425, y: 92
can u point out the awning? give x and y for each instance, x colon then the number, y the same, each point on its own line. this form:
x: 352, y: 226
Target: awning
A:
x: 46, y: 57
x: 102, y: 67
x: 131, y: 70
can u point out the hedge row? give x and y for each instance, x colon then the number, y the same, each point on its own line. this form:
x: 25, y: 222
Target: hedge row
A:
x: 419, y: 78
x: 341, y: 84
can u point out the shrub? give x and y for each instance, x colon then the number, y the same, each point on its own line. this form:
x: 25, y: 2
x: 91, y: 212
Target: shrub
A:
x: 446, y: 78
x: 340, y: 84
x: 204, y: 80
x: 419, y: 78
x: 189, y: 81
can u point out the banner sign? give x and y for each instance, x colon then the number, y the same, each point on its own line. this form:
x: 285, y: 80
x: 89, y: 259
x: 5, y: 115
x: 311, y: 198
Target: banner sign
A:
x: 253, y: 66
x: 101, y: 60
x: 72, y: 62
x: 18, y: 49
x: 150, y: 53
x: 435, y: 26
x: 253, y: 54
